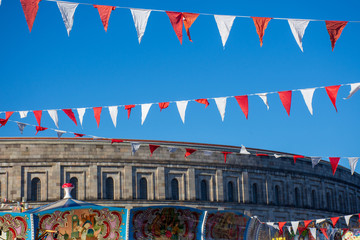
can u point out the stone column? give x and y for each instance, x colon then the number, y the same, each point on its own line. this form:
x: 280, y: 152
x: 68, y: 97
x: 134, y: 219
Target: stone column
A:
x: 219, y: 186
x: 54, y: 182
x: 128, y: 183
x: 160, y: 184
x: 91, y: 183
x: 16, y: 183
x: 191, y: 184
x: 245, y: 187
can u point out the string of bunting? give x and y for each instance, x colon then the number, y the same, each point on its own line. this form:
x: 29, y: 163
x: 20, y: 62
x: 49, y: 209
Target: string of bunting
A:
x: 285, y: 97
x: 334, y: 161
x: 178, y: 19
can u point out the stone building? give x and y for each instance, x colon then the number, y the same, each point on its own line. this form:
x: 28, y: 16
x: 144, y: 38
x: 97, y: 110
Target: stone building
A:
x: 110, y: 175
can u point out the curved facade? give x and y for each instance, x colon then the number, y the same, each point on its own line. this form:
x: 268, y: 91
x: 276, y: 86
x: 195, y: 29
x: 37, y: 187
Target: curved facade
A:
x: 273, y: 189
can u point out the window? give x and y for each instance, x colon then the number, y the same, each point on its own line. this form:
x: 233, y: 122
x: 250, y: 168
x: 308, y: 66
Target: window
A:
x: 204, y: 191
x: 230, y: 189
x: 328, y: 201
x: 143, y: 188
x: 35, y: 189
x: 277, y: 195
x: 75, y: 190
x: 297, y: 197
x: 174, y: 189
x: 109, y: 188
x: 255, y: 195
x: 313, y: 198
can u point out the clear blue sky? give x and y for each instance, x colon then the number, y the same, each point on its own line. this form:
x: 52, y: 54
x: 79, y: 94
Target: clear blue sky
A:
x: 49, y: 70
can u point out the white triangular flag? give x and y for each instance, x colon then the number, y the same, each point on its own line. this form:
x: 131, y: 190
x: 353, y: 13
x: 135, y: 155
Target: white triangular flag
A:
x: 54, y: 116
x: 263, y: 97
x: 313, y: 232
x: 113, y: 113
x: 81, y: 112
x: 295, y: 225
x: 347, y: 219
x: 224, y: 24
x: 23, y: 114
x: 354, y: 88
x: 308, y: 96
x: 21, y: 127
x: 320, y: 220
x: 67, y: 11
x: 181, y: 105
x: 134, y: 147
x: 144, y: 111
x: 172, y: 149
x: 279, y: 155
x: 59, y: 133
x: 353, y: 161
x: 315, y: 161
x: 288, y: 228
x: 298, y: 27
x: 140, y: 17
x: 221, y: 105
x: 243, y: 150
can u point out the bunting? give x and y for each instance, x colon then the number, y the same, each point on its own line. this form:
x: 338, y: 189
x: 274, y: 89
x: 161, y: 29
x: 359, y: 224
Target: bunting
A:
x: 263, y: 97
x: 181, y: 105
x: 176, y: 20
x: 281, y: 225
x: 347, y: 219
x: 189, y: 19
x: 59, y: 133
x: 54, y: 116
x: 308, y: 96
x: 21, y: 127
x: 221, y: 105
x: 224, y: 24
x: 315, y: 161
x: 332, y: 93
x: 334, y: 161
x: 244, y: 104
x: 39, y: 129
x: 298, y: 28
x: 203, y: 101
x: 97, y: 114
x: 67, y: 11
x: 153, y: 148
x: 105, y: 12
x: 79, y: 135
x: 144, y: 111
x: 261, y: 25
x: 335, y: 29
x: 30, y: 8
x: 307, y: 222
x: 285, y: 97
x: 352, y: 162
x: 128, y: 108
x: 313, y: 232
x: 23, y: 114
x: 134, y: 147
x: 70, y: 114
x: 38, y: 115
x: 140, y: 17
x: 354, y: 88
x: 81, y: 112
x: 225, y: 154
x: 334, y: 220
x: 243, y: 150
x: 163, y: 105
x: 113, y: 114
x: 189, y: 151
x: 295, y: 225
x: 297, y: 156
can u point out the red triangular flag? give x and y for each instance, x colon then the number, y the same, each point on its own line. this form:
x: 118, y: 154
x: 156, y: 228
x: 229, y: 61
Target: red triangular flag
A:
x: 334, y: 161
x: 176, y: 20
x: 297, y: 156
x: 3, y: 122
x: 203, y: 101
x: 189, y: 19
x: 261, y: 155
x: 189, y: 151
x: 225, y: 154
x: 116, y: 141
x: 261, y: 24
x: 30, y: 8
x: 163, y: 105
x: 97, y: 113
x: 128, y: 108
x: 345, y: 230
x: 334, y: 29
x: 104, y: 12
x: 332, y: 93
x: 38, y: 129
x: 281, y: 225
x: 153, y: 148
x: 8, y: 115
x: 244, y: 104
x: 70, y: 114
x: 334, y: 220
x: 285, y: 97
x: 307, y: 222
x: 38, y: 115
x: 79, y: 135
x: 323, y: 230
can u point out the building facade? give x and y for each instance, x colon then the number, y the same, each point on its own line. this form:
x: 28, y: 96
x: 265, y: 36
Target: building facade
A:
x: 110, y: 175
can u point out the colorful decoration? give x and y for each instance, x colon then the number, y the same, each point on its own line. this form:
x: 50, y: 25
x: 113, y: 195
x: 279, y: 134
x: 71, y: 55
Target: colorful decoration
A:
x: 16, y: 225
x: 335, y: 29
x: 30, y: 8
x: 105, y: 12
x: 261, y: 25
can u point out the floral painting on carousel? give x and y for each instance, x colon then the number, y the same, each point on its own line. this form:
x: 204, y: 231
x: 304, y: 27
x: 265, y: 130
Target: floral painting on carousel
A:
x: 86, y: 223
x: 172, y: 223
x: 15, y: 225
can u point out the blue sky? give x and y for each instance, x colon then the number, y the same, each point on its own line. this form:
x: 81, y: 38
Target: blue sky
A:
x: 49, y: 70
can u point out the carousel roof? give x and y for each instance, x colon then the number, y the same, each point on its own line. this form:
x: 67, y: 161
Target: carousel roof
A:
x: 63, y: 203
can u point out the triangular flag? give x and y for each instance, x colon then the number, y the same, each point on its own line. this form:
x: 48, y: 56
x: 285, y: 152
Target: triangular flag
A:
x: 181, y: 105
x: 8, y: 115
x: 104, y: 12
x: 315, y: 161
x: 347, y: 219
x: 285, y: 97
x: 354, y: 88
x: 244, y: 104
x: 67, y: 11
x: 263, y: 97
x: 295, y: 225
x: 289, y: 229
x: 97, y: 113
x: 39, y: 129
x: 144, y: 111
x: 307, y: 222
x: 128, y: 108
x: 189, y: 151
x: 203, y: 101
x: 189, y: 19
x: 23, y: 114
x: 334, y: 220
x: 176, y: 20
x: 345, y: 230
x: 261, y: 24
x: 313, y: 232
x: 81, y: 112
x: 140, y: 17
x: 352, y: 162
x: 70, y: 114
x: 38, y: 115
x: 281, y: 225
x: 21, y: 127
x: 113, y: 114
x: 54, y: 116
x: 243, y: 150
x: 224, y: 24
x: 278, y: 155
x: 59, y: 133
x: 79, y: 135
x: 116, y: 141
x: 298, y: 27
x: 297, y: 156
x: 308, y: 96
x: 153, y: 148
x: 334, y: 161
x: 172, y: 149
x: 134, y: 147
x: 225, y: 155
x: 221, y: 105
x: 320, y: 220
x: 163, y: 105
x: 334, y: 29
x: 332, y: 92
x: 30, y: 8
